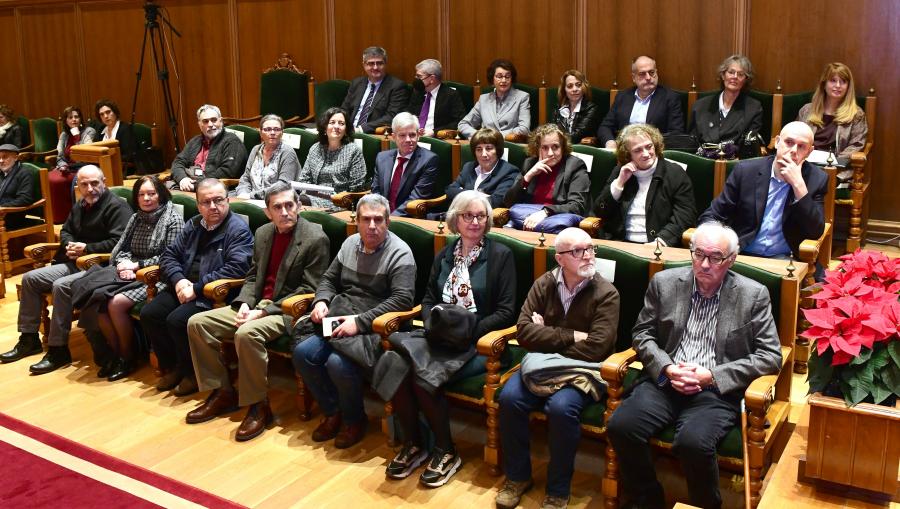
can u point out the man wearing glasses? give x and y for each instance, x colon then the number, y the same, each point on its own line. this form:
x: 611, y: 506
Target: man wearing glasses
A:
x: 646, y: 102
x: 214, y: 153
x: 215, y: 244
x: 375, y: 98
x: 573, y: 312
x: 704, y: 334
x: 437, y: 107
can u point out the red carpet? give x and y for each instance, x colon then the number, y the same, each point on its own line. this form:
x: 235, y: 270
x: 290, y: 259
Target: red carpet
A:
x: 29, y: 480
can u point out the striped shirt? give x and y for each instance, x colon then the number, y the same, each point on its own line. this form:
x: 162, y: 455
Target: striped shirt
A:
x: 564, y: 294
x: 698, y: 345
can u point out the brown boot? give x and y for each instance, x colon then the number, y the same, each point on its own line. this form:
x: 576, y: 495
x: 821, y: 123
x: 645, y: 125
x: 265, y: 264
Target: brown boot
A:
x: 328, y: 428
x: 219, y: 402
x: 350, y: 435
x: 259, y: 415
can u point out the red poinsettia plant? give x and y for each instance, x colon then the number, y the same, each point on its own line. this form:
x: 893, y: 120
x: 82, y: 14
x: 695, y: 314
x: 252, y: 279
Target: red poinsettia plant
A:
x: 854, y: 328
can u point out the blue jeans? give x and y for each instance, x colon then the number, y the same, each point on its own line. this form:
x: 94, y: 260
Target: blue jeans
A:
x: 335, y: 380
x: 563, y: 411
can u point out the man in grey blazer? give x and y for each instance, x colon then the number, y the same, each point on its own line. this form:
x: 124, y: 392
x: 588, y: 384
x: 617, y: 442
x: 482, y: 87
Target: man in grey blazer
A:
x: 700, y: 350
x: 407, y: 172
x: 290, y: 256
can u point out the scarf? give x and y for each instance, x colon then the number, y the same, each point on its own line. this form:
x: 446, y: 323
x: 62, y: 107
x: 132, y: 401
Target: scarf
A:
x: 458, y: 288
x: 154, y: 218
x: 5, y: 127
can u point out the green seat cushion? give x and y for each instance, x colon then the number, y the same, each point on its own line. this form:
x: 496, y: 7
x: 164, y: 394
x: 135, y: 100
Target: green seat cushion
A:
x: 280, y: 345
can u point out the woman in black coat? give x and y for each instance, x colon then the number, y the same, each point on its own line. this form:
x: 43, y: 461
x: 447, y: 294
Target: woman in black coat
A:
x: 496, y: 175
x: 577, y: 115
x: 474, y: 274
x: 731, y: 114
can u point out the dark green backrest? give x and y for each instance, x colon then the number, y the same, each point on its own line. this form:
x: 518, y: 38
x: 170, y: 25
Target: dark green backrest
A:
x: 702, y: 172
x: 534, y: 101
x: 466, y: 93
x: 602, y: 164
x: 26, y: 132
x: 307, y: 140
x: 256, y: 217
x: 35, y: 171
x: 523, y: 254
x: 334, y: 228
x: 600, y: 97
x: 683, y: 100
x: 188, y: 203
x: 284, y: 93
x: 330, y: 93
x: 45, y: 135
x: 142, y: 134
x: 371, y: 146
x: 516, y: 157
x: 124, y: 193
x: 251, y: 135
x: 631, y: 280
x: 765, y: 99
x: 730, y: 164
x: 421, y: 242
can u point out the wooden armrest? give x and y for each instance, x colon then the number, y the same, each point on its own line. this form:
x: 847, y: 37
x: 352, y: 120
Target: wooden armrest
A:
x: 383, y: 130
x: 11, y: 210
x: 493, y: 343
x: 297, y: 305
x: 35, y: 156
x: 148, y: 275
x: 233, y: 120
x: 217, y: 290
x: 591, y: 225
x: 501, y: 217
x: 230, y: 182
x: 87, y: 261
x: 419, y: 208
x: 446, y: 134
x: 760, y: 393
x: 687, y: 236
x: 516, y: 138
x: 506, y: 376
x: 348, y: 199
x: 50, y: 161
x: 809, y: 248
x: 590, y: 140
x: 614, y: 367
x: 389, y: 323
x: 41, y: 252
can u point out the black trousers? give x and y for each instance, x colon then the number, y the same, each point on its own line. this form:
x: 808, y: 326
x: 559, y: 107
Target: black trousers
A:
x: 409, y: 399
x: 164, y: 320
x: 701, y: 421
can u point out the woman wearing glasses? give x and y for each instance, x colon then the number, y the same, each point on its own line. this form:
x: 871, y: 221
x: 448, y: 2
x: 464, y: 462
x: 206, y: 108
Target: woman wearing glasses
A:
x: 473, y: 274
x: 488, y: 173
x: 731, y: 114
x: 269, y: 162
x: 505, y: 108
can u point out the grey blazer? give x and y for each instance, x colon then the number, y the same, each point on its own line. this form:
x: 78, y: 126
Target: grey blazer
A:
x: 513, y: 117
x: 849, y: 138
x: 87, y: 136
x: 285, y: 161
x: 747, y: 343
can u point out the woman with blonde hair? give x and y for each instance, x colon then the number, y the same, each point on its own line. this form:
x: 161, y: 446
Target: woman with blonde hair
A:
x: 838, y: 123
x: 577, y: 115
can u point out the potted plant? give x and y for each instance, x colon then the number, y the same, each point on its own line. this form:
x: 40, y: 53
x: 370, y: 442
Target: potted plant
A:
x: 856, y: 358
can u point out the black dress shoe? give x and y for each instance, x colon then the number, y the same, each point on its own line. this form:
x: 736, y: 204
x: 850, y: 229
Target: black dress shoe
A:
x: 108, y: 368
x: 28, y: 344
x: 120, y: 370
x: 56, y: 357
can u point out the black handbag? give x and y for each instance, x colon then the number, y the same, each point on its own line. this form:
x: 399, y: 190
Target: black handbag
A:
x: 750, y: 146
x: 681, y: 142
x: 451, y: 327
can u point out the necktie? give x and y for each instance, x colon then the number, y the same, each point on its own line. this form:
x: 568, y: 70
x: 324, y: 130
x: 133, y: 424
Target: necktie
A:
x: 364, y: 113
x: 426, y: 107
x: 395, y: 182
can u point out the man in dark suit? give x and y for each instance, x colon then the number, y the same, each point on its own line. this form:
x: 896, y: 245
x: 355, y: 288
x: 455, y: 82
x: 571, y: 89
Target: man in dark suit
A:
x: 704, y: 334
x: 407, y: 172
x: 16, y: 185
x: 775, y: 203
x: 375, y: 98
x: 646, y: 102
x: 443, y: 108
x: 289, y: 258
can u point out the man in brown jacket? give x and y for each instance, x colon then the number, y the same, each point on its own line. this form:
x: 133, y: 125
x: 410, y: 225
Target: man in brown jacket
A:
x: 571, y: 311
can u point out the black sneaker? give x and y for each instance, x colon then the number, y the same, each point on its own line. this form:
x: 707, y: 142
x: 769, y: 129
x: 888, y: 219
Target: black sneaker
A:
x: 408, y: 459
x: 441, y: 468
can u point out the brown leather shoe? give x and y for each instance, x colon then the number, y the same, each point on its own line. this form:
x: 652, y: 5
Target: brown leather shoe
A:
x: 350, y: 435
x: 328, y: 428
x: 219, y: 402
x: 259, y: 415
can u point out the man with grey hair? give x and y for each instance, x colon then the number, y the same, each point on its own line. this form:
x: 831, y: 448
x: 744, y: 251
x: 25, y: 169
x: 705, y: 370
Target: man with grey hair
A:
x: 373, y: 100
x: 437, y: 107
x: 703, y: 335
x: 214, y: 153
x: 94, y: 226
x: 573, y: 312
x: 407, y: 172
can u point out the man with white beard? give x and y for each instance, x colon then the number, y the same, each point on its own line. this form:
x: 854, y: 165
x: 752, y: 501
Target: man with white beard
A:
x: 214, y: 153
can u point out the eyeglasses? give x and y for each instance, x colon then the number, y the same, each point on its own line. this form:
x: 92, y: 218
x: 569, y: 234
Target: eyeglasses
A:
x: 736, y: 74
x: 578, y: 252
x: 714, y: 259
x: 503, y: 77
x: 213, y: 202
x: 423, y: 77
x: 651, y: 73
x: 374, y: 63
x: 471, y: 218
x: 271, y: 129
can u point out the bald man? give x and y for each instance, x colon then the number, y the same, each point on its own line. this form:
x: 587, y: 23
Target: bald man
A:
x: 774, y: 203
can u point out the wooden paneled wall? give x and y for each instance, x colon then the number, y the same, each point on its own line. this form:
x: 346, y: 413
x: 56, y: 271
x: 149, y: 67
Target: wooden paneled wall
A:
x: 59, y: 52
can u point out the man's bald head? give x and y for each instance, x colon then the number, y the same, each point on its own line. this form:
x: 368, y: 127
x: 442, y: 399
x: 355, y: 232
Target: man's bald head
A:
x: 794, y: 142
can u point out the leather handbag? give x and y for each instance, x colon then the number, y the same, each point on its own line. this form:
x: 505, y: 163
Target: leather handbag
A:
x: 451, y: 327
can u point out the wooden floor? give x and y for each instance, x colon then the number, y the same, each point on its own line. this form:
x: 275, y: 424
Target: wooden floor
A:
x: 284, y: 467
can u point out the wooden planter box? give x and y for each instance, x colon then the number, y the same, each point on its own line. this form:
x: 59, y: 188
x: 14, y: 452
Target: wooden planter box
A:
x: 856, y: 447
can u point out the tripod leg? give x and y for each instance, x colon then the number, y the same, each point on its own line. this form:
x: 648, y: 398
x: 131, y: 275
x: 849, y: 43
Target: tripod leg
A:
x: 162, y: 74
